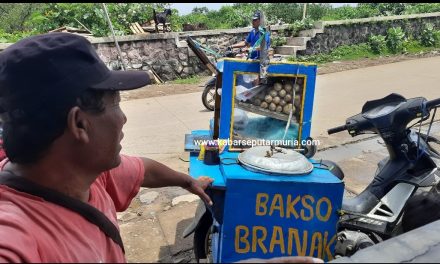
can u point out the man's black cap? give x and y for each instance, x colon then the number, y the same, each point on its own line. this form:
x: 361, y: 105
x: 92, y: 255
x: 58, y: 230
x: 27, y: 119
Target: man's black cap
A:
x: 58, y: 66
x: 256, y: 15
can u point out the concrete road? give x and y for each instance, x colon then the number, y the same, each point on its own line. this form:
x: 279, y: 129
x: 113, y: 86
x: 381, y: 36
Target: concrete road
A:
x: 156, y: 126
x: 342, y: 94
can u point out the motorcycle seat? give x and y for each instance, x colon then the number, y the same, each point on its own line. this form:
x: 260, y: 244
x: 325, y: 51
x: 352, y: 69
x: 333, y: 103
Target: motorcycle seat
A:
x: 362, y: 204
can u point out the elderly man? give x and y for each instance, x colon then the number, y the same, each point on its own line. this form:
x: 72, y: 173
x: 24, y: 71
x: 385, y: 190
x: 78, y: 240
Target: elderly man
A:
x: 62, y: 133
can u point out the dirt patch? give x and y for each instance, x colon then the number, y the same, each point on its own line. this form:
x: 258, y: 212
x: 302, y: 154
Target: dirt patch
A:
x: 331, y: 67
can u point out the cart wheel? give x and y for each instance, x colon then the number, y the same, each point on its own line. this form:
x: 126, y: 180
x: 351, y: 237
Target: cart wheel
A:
x: 208, y: 97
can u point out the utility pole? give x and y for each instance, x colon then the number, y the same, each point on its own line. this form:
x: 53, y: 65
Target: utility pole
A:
x: 304, y: 11
x: 264, y: 52
x: 114, y: 37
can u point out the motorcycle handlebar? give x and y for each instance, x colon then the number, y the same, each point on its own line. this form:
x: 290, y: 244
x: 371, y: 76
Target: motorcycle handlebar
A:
x: 360, y: 124
x: 337, y: 129
x: 433, y: 103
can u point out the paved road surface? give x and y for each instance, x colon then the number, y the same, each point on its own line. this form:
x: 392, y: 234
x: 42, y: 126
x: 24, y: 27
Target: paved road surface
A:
x: 342, y: 94
x: 156, y: 126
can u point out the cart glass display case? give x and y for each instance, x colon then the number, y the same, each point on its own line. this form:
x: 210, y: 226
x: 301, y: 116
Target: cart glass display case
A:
x: 267, y: 114
x: 277, y: 113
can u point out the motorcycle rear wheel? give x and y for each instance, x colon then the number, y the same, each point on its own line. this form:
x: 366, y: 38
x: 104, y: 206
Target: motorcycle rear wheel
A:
x: 208, y: 97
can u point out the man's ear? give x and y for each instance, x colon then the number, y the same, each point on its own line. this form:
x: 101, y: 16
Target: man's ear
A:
x: 78, y: 124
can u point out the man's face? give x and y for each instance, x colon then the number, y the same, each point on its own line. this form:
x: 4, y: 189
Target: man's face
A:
x: 255, y: 23
x: 106, y: 132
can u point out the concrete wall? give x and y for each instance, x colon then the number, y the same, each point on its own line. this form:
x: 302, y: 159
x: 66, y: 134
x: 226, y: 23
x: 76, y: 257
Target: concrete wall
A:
x: 167, y: 54
x: 162, y: 55
x: 347, y: 32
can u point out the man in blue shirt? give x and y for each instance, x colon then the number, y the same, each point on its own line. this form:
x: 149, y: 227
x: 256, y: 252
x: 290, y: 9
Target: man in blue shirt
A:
x: 253, y: 36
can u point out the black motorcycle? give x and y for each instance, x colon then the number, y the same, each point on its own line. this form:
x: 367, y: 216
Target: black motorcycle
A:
x: 411, y: 169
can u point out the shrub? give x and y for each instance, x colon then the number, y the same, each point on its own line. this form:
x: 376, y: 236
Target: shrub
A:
x: 340, y: 53
x: 351, y: 51
x: 429, y: 36
x: 377, y: 44
x: 288, y: 12
x: 417, y: 8
x: 343, y: 12
x: 350, y: 12
x: 317, y: 10
x: 294, y: 28
x: 437, y: 38
x: 299, y: 25
x: 395, y: 40
x: 278, y: 41
x: 14, y: 37
x: 386, y: 9
x: 363, y: 11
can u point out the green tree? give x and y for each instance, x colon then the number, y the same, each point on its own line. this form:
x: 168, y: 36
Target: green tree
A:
x: 351, y: 12
x: 287, y: 12
x: 245, y: 11
x: 91, y: 15
x: 417, y: 8
x: 386, y: 9
x: 201, y: 10
x: 317, y: 11
x: 13, y: 16
x: 176, y: 20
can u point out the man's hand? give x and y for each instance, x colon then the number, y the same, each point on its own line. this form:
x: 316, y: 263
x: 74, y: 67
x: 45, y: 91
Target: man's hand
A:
x: 198, y: 187
x: 158, y: 175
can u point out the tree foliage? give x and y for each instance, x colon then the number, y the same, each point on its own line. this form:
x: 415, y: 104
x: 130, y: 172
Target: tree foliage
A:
x: 92, y: 16
x: 386, y: 9
x: 201, y: 10
x: 13, y: 16
x: 21, y: 19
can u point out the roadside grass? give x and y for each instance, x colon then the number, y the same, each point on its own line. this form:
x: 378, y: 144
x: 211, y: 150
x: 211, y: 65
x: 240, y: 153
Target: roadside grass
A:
x: 359, y: 51
x: 190, y: 80
x: 415, y: 47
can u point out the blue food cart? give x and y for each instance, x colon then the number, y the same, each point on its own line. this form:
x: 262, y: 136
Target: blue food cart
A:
x: 258, y: 214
